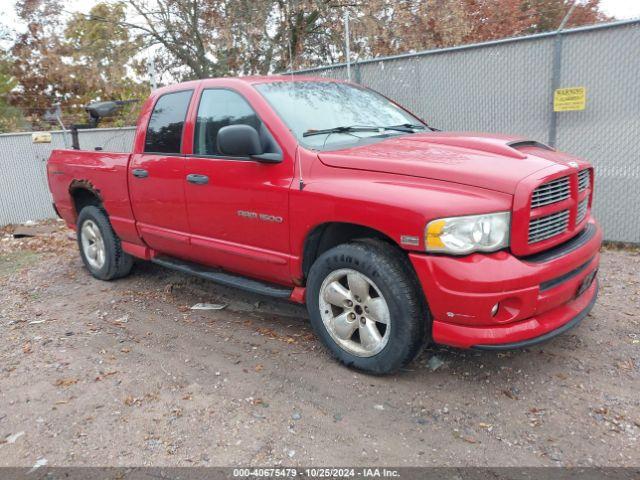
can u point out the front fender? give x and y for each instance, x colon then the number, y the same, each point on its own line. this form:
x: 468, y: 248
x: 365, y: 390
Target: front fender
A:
x: 397, y: 206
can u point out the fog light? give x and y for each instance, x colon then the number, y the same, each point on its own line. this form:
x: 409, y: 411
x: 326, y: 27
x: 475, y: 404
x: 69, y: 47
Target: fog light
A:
x: 494, y: 310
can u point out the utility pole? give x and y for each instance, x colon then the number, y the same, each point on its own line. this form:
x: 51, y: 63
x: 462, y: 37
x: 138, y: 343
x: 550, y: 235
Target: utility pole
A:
x: 151, y: 69
x: 290, y: 58
x: 346, y: 44
x: 557, y: 70
x: 292, y: 11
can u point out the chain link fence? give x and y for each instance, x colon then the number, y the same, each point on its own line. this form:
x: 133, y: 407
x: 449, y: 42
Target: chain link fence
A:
x: 506, y: 86
x: 24, y: 193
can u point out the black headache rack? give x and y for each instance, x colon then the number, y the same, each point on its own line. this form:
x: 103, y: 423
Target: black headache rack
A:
x: 96, y: 111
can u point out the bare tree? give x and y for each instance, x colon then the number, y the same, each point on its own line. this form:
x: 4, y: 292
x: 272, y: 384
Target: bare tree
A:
x: 210, y: 38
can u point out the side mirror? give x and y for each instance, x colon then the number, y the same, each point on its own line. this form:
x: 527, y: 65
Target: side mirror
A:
x: 244, y: 141
x: 239, y: 141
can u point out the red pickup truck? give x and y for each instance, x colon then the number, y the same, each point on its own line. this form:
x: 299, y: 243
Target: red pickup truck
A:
x: 329, y: 194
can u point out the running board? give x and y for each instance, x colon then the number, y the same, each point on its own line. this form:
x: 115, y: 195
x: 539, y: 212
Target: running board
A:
x: 224, y: 278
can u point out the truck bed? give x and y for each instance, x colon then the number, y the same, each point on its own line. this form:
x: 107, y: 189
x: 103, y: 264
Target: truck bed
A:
x: 105, y: 173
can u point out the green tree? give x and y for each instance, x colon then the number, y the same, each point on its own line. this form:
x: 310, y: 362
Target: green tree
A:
x: 73, y: 62
x: 104, y: 54
x: 11, y: 118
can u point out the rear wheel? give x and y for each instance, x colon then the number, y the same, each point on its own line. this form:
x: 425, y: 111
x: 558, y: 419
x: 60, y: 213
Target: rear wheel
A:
x: 366, y: 306
x: 100, y: 247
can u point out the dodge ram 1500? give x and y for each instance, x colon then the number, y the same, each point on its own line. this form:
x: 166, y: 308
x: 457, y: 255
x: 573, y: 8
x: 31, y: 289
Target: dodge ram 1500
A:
x: 330, y: 194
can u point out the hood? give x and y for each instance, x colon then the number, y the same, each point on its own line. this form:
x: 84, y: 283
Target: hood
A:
x: 495, y: 162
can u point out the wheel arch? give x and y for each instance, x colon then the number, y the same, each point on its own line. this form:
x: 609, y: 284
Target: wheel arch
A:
x: 330, y: 234
x: 83, y: 193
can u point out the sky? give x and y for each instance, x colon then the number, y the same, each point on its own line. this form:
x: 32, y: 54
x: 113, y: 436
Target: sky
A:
x: 621, y: 9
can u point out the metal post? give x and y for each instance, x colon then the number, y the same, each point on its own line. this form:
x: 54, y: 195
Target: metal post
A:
x: 346, y: 44
x: 75, y: 141
x: 556, y: 75
x: 58, y: 113
x: 290, y: 58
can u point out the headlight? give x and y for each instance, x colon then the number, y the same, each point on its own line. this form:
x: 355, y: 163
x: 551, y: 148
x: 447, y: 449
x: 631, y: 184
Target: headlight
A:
x: 473, y: 233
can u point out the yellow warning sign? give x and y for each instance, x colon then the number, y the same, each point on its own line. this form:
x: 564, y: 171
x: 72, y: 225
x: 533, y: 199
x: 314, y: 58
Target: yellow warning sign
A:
x: 41, y: 137
x: 569, y: 99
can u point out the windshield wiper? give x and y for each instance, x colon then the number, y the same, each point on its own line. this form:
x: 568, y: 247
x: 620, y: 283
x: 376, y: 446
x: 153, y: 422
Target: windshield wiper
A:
x: 412, y: 126
x: 358, y: 128
x: 418, y: 127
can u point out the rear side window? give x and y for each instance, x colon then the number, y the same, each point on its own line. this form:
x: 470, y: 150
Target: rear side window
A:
x: 219, y: 108
x: 164, y: 133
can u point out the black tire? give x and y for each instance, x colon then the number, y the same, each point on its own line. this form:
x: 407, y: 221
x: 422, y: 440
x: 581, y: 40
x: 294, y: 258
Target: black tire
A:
x: 117, y: 263
x: 391, y: 271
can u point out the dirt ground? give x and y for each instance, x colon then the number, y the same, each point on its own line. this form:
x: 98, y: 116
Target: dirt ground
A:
x: 124, y: 373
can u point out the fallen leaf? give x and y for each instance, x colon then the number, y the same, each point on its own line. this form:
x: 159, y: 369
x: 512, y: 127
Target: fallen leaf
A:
x: 65, y: 382
x: 626, y: 364
x: 130, y: 401
x: 510, y: 394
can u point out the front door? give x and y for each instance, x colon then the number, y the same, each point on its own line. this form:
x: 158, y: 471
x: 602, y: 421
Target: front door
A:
x: 156, y: 177
x: 238, y: 207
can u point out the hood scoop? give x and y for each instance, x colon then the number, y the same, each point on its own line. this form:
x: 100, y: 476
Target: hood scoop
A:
x: 495, y: 145
x: 530, y: 143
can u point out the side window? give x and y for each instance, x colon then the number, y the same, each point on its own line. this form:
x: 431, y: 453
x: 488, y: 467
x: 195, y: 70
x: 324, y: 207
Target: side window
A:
x: 219, y: 108
x: 164, y: 132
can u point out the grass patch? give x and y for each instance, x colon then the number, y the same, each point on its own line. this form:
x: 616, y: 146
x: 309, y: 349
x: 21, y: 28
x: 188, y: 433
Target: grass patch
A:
x: 14, y: 262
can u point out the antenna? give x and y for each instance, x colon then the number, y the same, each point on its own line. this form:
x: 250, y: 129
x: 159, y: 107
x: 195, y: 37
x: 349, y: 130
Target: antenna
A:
x: 300, y: 179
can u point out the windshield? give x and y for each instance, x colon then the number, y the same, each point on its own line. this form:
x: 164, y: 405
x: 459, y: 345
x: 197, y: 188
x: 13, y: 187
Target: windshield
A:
x: 310, y: 107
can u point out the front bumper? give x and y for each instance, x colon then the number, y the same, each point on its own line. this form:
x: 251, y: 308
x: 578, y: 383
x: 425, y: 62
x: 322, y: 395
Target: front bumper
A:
x: 537, y: 296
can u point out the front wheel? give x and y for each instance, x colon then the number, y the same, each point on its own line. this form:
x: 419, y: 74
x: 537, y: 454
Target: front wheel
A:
x: 366, y: 306
x: 100, y: 247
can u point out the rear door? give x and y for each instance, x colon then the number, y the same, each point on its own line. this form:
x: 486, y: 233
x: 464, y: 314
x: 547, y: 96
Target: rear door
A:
x: 238, y: 207
x: 156, y: 177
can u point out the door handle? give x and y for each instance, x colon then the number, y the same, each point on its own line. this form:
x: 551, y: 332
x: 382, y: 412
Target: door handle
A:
x: 140, y: 173
x: 197, y: 179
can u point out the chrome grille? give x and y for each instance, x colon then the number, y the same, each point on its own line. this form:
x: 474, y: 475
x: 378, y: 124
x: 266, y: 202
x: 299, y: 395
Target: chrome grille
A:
x: 548, y: 226
x: 582, y: 210
x: 551, y: 192
x: 584, y: 178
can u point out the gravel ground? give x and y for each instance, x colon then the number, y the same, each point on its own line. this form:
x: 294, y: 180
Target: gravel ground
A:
x: 124, y: 373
